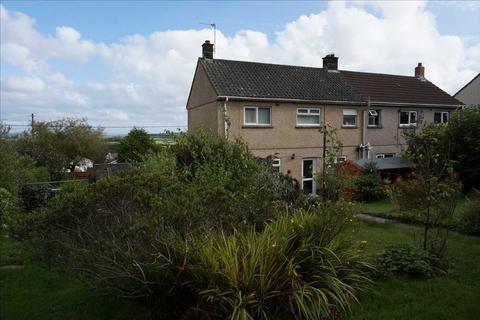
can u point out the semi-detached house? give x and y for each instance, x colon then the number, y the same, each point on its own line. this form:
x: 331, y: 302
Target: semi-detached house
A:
x: 279, y: 109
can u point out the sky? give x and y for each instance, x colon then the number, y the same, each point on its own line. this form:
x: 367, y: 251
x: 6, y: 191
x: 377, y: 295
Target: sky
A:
x: 122, y: 64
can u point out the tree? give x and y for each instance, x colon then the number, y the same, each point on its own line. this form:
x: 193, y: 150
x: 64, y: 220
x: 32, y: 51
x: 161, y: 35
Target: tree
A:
x: 434, y: 191
x: 136, y: 146
x: 59, y: 145
x: 463, y: 138
x: 15, y: 168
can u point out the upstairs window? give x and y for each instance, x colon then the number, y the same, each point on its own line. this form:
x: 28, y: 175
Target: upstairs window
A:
x: 385, y: 155
x: 373, y: 118
x: 441, y: 117
x: 260, y: 116
x: 308, y: 117
x: 340, y: 159
x: 349, y: 117
x: 408, y: 118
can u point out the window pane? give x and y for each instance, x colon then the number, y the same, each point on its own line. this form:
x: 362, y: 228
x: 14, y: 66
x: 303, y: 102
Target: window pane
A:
x: 403, y: 117
x: 349, y: 120
x: 373, y: 120
x: 302, y: 110
x: 445, y: 117
x: 308, y: 119
x: 315, y: 111
x: 250, y: 115
x: 413, y: 117
x: 437, y: 117
x: 350, y: 112
x: 264, y: 115
x: 308, y: 168
x: 388, y: 155
x: 308, y: 186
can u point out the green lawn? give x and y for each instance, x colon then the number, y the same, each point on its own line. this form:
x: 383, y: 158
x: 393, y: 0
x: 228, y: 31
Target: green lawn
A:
x: 36, y: 293
x: 455, y: 296
x: 385, y: 208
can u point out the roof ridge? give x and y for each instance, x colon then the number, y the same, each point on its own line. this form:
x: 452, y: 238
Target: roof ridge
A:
x: 381, y: 74
x: 267, y: 63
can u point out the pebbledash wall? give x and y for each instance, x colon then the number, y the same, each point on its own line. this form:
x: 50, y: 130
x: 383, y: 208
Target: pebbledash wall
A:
x: 291, y: 143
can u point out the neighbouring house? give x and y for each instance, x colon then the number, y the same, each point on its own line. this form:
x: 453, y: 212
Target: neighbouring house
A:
x: 279, y: 109
x: 469, y: 94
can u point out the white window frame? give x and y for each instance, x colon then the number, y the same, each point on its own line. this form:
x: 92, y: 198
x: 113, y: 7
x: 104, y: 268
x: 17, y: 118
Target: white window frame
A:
x: 382, y: 155
x: 340, y: 159
x: 350, y: 112
x: 309, y: 113
x: 245, y: 123
x: 410, y: 123
x: 314, y: 171
x: 276, y: 163
x: 441, y: 117
x: 374, y: 113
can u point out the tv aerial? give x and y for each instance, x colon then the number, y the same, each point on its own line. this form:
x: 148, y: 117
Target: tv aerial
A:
x: 214, y: 27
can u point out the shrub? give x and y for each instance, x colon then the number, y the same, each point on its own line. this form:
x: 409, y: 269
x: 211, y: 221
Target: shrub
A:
x: 8, y: 209
x: 406, y: 260
x: 293, y: 268
x: 370, y: 186
x: 470, y: 218
x: 33, y: 196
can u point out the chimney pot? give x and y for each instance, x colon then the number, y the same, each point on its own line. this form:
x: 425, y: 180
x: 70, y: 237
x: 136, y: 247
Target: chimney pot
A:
x: 330, y: 62
x: 420, y: 71
x: 207, y: 50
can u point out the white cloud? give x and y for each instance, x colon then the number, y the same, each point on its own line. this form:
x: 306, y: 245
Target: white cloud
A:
x: 149, y: 76
x: 22, y: 84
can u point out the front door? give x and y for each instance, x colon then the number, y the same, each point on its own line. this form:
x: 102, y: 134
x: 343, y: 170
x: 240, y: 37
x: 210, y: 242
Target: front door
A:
x: 308, y: 176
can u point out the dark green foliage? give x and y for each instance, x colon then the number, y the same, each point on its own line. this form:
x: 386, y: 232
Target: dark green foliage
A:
x: 33, y: 196
x: 470, y: 218
x: 8, y: 209
x: 369, y: 185
x: 137, y: 146
x: 160, y: 232
x: 463, y: 141
x: 406, y: 260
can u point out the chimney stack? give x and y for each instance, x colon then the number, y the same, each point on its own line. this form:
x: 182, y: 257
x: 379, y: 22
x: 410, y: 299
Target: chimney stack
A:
x: 420, y: 71
x: 330, y: 62
x: 207, y: 50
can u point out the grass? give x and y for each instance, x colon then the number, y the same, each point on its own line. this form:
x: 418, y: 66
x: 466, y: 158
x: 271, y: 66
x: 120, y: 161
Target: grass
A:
x: 32, y: 292
x: 454, y: 296
x: 37, y: 293
x: 385, y: 208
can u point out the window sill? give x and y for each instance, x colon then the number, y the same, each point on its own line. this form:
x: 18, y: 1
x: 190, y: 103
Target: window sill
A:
x: 253, y: 126
x: 349, y: 127
x: 308, y: 127
x: 409, y: 126
x: 375, y: 127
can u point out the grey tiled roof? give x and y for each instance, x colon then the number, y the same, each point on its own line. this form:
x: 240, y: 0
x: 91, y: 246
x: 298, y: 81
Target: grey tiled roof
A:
x: 264, y: 80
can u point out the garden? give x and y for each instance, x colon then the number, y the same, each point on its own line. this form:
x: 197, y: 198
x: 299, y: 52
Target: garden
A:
x: 204, y: 230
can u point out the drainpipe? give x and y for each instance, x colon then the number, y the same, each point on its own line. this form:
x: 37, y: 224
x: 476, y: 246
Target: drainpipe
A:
x: 364, y: 129
x: 225, y: 117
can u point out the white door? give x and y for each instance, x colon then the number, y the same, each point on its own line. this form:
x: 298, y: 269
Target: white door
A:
x: 308, y: 176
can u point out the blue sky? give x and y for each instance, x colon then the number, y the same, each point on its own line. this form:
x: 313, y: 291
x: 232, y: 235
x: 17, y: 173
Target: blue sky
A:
x: 122, y: 63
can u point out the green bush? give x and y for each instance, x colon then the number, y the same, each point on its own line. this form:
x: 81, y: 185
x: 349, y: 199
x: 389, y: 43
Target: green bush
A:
x: 8, y: 209
x: 33, y: 196
x: 293, y: 268
x: 406, y: 260
x: 369, y: 185
x: 470, y: 220
x: 162, y: 232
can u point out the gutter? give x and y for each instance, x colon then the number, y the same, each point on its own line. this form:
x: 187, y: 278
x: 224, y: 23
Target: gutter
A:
x: 239, y: 98
x: 336, y: 102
